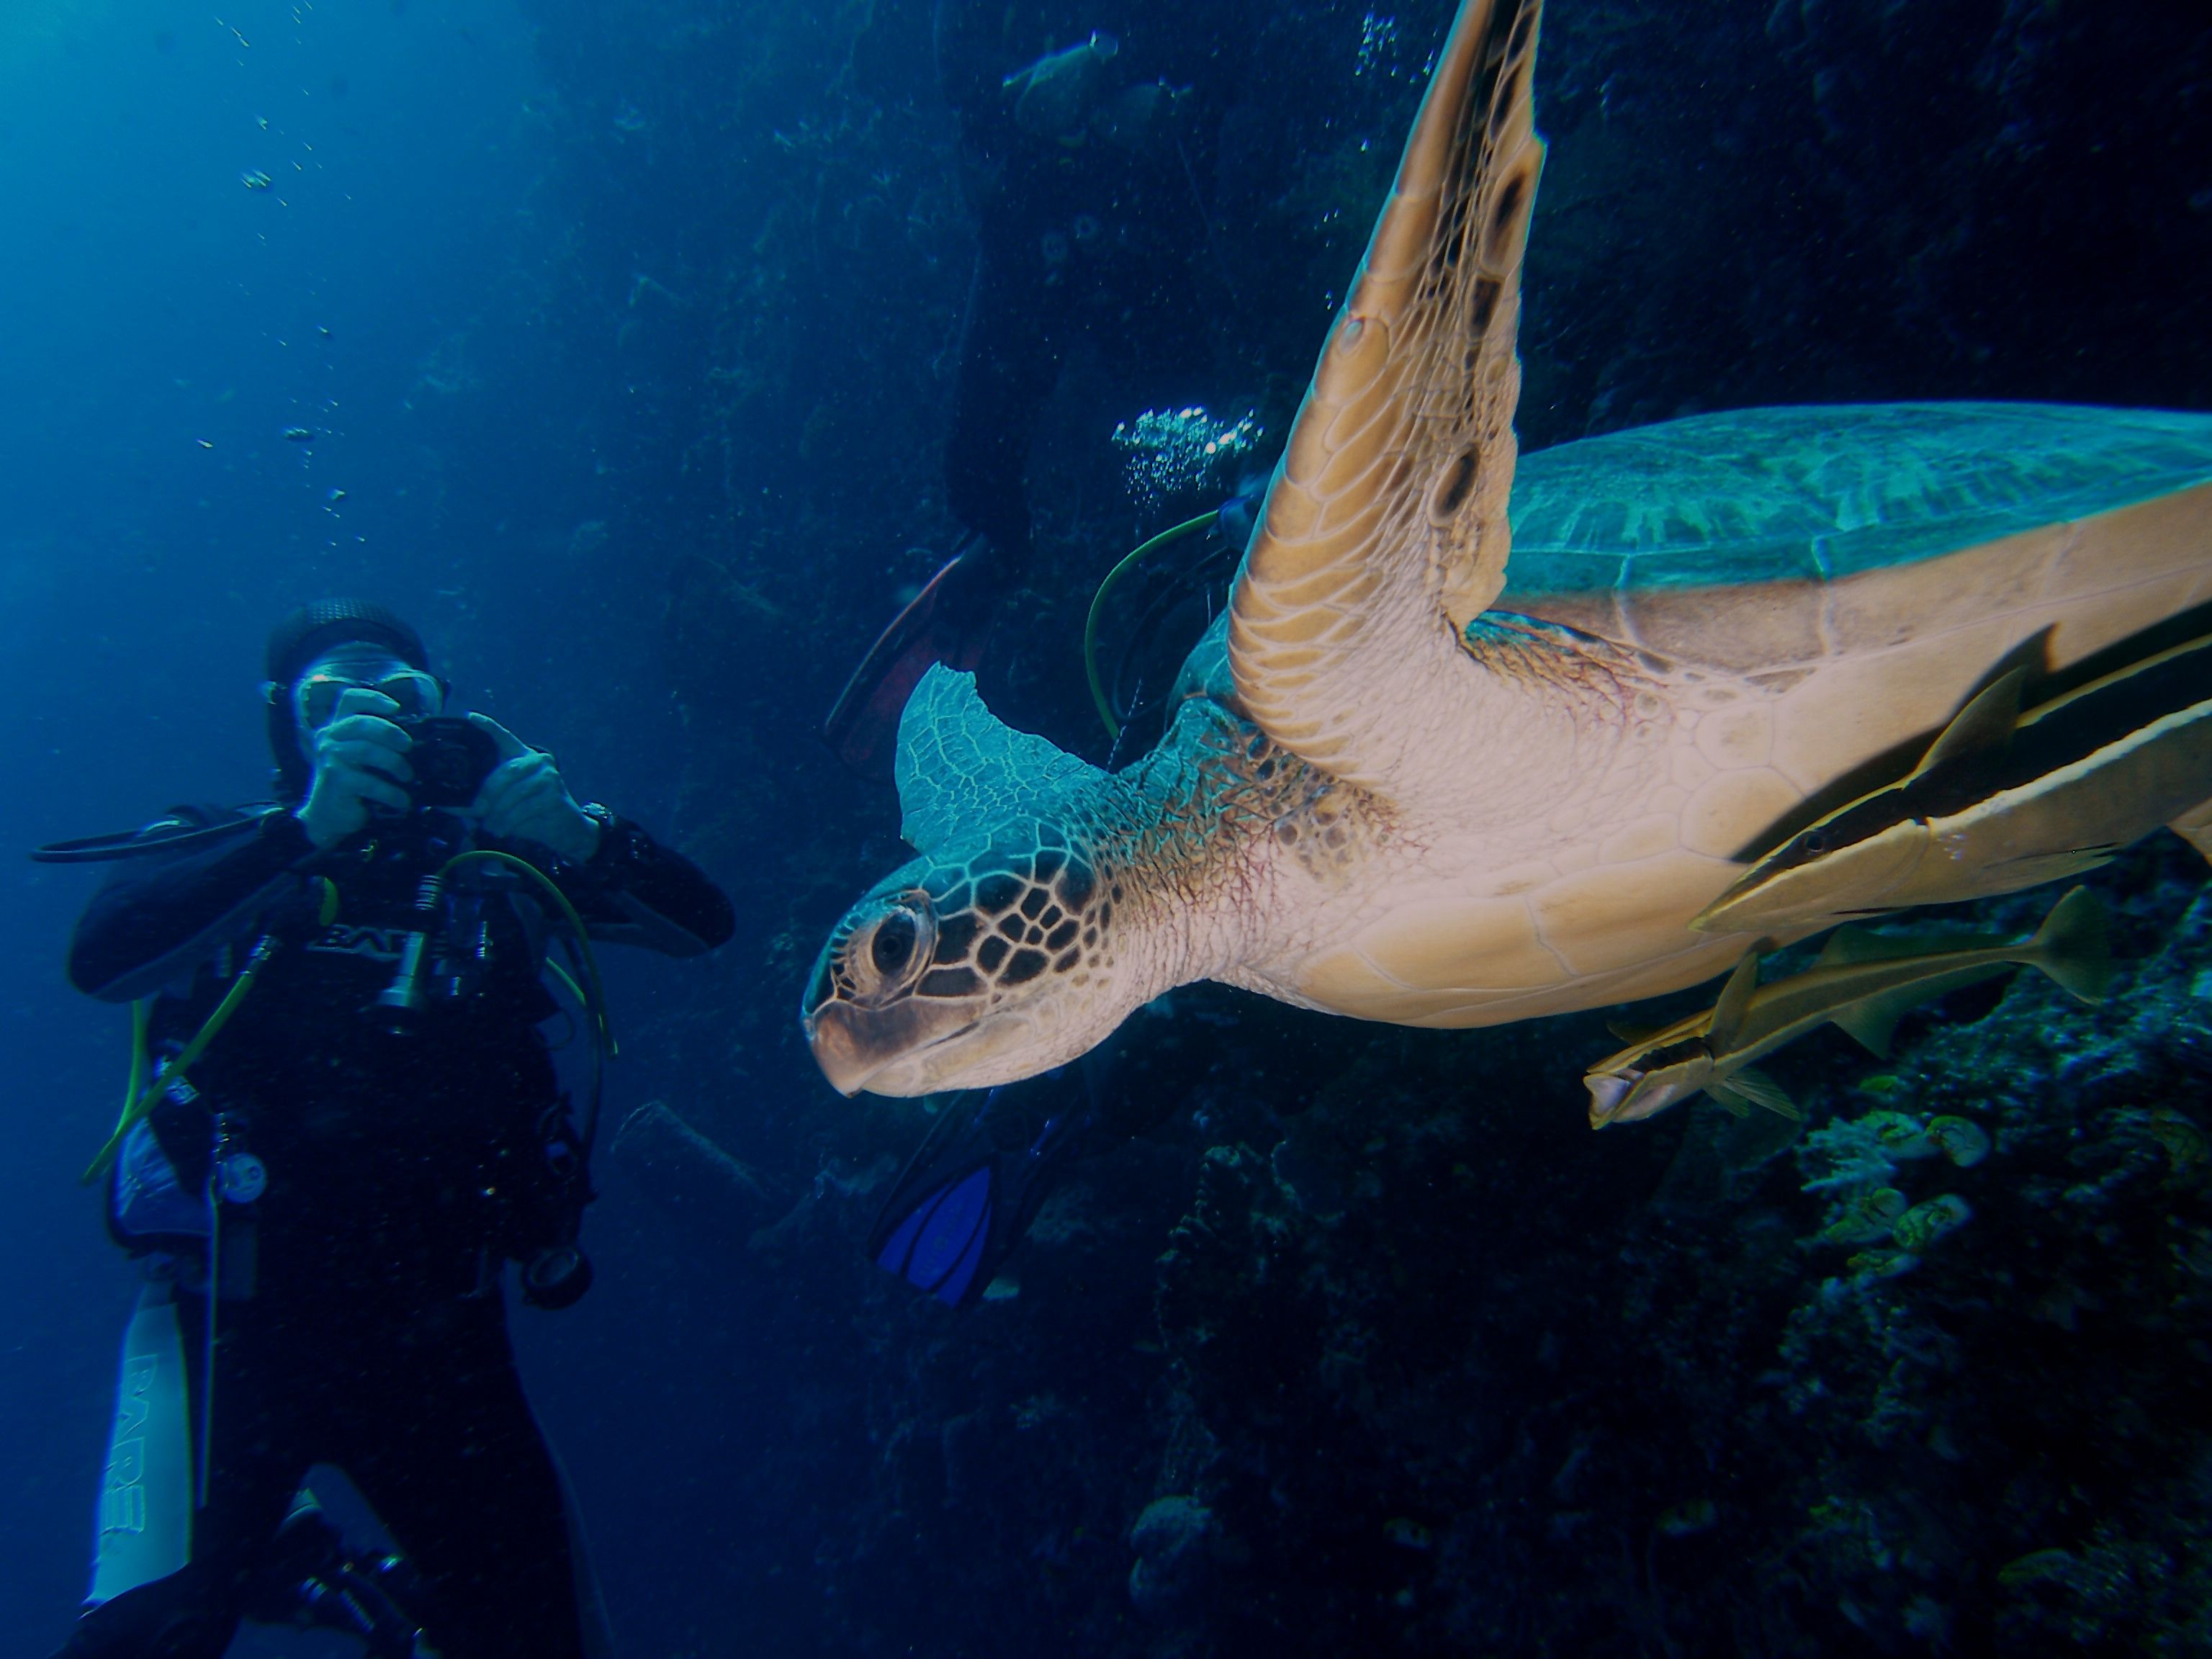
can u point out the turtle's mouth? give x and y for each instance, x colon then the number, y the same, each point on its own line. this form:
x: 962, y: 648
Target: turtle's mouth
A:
x: 878, y: 1049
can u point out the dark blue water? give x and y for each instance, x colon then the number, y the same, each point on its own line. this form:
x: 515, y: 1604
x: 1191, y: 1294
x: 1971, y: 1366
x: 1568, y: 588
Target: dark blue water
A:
x: 625, y: 334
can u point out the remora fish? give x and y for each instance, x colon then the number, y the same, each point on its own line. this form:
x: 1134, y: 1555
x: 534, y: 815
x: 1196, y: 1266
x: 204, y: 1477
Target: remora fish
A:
x: 1862, y: 981
x: 1054, y: 95
x: 2002, y: 801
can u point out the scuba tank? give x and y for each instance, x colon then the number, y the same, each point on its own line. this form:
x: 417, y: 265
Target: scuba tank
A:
x: 146, y: 1498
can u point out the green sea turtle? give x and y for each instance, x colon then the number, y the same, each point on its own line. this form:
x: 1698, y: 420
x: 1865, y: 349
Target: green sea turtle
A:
x: 1401, y: 786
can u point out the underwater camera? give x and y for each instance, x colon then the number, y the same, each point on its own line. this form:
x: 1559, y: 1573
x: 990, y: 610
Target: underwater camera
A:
x: 451, y: 759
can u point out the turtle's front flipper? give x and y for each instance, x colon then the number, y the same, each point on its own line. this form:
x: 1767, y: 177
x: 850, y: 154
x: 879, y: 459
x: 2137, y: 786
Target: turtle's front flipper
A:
x: 1385, y: 530
x: 959, y: 765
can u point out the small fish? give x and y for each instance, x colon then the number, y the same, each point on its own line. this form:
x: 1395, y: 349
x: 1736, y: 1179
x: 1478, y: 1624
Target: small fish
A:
x: 334, y: 495
x: 1863, y: 983
x: 1053, y: 96
x: 254, y: 178
x: 299, y: 435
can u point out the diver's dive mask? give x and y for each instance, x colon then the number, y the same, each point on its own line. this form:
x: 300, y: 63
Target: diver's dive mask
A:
x: 315, y: 698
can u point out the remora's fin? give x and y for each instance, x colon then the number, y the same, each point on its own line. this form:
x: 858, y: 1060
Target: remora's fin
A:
x: 2195, y: 827
x: 1985, y: 723
x: 1631, y: 1033
x: 1734, y: 1003
x: 1848, y: 945
x: 1749, y: 1085
x: 2073, y: 947
x: 1874, y: 1021
x: 1872, y: 1024
x: 1728, y: 1098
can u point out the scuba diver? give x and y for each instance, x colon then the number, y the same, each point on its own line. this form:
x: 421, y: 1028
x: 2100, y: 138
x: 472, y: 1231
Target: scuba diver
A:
x: 1088, y: 168
x: 344, y: 1119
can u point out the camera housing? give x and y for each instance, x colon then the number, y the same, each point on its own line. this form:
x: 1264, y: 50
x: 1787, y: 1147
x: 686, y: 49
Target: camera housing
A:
x: 451, y: 759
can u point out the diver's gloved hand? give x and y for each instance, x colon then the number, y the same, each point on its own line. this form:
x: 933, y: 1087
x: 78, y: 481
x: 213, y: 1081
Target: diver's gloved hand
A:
x: 524, y: 799
x: 360, y: 758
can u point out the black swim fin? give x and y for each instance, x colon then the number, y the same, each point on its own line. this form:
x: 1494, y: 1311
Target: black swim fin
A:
x: 947, y: 621
x: 965, y: 1202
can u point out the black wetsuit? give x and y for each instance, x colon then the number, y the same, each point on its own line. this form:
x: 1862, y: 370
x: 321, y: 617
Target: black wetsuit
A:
x: 1078, y: 237
x: 409, y: 1153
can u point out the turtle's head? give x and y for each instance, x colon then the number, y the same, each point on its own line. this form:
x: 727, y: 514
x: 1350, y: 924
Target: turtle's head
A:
x: 958, y: 972
x: 994, y: 955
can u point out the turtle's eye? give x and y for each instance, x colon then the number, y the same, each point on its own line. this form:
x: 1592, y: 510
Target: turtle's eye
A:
x: 885, y: 951
x: 892, y: 947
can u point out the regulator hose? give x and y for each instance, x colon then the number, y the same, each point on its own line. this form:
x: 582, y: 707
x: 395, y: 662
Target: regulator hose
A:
x: 1135, y: 556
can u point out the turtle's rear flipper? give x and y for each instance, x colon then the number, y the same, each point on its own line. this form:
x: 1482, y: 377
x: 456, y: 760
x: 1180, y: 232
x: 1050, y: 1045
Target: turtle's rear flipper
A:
x: 946, y: 623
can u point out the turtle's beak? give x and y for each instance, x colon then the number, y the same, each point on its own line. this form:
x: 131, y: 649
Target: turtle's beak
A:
x: 883, y: 1049
x: 842, y: 1048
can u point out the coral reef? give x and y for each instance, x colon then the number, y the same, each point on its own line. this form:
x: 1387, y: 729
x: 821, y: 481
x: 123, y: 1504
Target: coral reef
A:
x: 1681, y: 1420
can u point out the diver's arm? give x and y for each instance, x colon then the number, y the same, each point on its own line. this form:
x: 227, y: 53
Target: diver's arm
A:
x: 628, y: 888
x: 632, y: 891
x: 142, y: 929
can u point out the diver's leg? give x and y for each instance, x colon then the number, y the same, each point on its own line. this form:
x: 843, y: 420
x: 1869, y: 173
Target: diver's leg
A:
x: 192, y: 1611
x: 1010, y: 359
x: 446, y: 1452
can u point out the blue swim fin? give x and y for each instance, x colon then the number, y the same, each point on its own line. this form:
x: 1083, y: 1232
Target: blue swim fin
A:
x: 965, y: 1202
x: 939, y: 1244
